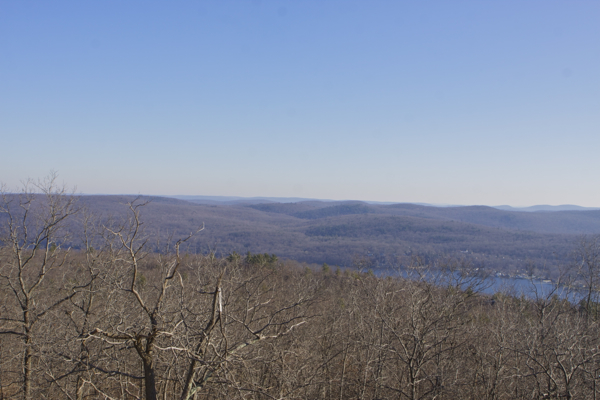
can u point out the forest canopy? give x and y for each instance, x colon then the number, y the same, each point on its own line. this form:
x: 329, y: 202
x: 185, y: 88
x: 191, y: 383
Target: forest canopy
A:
x: 130, y: 315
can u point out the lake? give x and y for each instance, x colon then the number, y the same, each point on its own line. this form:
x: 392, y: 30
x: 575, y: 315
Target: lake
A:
x: 530, y: 288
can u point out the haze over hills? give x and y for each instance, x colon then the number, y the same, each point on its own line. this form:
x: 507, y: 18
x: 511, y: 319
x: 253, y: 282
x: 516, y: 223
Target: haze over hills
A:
x: 564, y: 207
x: 254, y: 200
x: 337, y: 232
x: 258, y: 200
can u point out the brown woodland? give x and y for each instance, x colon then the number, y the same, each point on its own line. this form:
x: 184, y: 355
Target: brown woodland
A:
x: 118, y: 321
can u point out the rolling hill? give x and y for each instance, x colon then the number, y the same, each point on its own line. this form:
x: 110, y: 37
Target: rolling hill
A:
x: 338, y: 232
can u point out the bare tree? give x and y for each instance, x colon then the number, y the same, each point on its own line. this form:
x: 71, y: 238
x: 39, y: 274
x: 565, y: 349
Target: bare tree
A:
x: 555, y: 345
x: 145, y: 320
x: 251, y: 305
x: 587, y: 265
x: 423, y: 327
x: 33, y: 237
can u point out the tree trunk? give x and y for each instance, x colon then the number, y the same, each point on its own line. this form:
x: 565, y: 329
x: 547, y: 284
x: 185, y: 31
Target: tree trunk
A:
x: 27, y: 358
x: 149, y: 381
x: 144, y: 349
x: 189, y: 381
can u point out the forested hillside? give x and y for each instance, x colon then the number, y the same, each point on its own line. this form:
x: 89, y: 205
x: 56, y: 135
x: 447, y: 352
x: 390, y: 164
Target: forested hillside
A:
x: 131, y: 315
x: 336, y: 233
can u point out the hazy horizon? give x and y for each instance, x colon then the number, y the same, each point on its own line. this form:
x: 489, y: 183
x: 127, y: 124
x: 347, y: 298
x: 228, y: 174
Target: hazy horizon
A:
x: 402, y: 102
x: 295, y: 199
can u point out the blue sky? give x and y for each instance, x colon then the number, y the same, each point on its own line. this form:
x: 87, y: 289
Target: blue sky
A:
x: 449, y: 102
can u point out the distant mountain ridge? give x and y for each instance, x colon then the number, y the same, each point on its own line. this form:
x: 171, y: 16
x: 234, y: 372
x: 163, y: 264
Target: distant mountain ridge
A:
x: 259, y: 200
x: 564, y: 207
x: 262, y: 200
x: 242, y: 200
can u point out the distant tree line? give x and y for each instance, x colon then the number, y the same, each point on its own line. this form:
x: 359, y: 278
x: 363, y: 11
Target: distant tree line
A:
x: 117, y: 321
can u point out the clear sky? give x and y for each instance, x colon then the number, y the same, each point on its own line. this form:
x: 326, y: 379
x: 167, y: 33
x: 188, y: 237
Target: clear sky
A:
x: 451, y: 102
